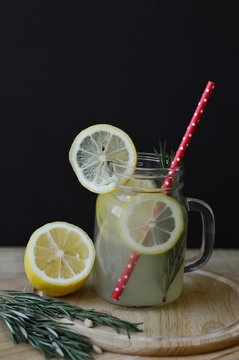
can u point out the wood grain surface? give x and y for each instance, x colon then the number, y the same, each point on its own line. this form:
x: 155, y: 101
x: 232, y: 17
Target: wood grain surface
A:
x: 204, y: 319
x: 213, y: 326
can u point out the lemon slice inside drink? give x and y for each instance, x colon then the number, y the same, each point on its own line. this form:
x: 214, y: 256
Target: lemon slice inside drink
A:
x: 93, y: 153
x: 151, y: 224
x: 59, y: 258
x: 109, y: 206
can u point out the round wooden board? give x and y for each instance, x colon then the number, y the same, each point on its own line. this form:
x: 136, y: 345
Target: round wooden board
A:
x: 204, y: 319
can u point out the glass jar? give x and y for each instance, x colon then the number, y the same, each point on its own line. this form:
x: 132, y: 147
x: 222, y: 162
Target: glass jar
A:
x: 128, y: 225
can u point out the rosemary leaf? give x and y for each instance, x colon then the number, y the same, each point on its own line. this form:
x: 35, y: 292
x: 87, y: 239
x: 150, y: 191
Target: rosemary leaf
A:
x: 29, y: 318
x: 163, y: 156
x: 175, y: 257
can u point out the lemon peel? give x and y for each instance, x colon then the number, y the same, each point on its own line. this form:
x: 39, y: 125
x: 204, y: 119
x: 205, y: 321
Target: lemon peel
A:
x: 93, y: 152
x: 59, y: 258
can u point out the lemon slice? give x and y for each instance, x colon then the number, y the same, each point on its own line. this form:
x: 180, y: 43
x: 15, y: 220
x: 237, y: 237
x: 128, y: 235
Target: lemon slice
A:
x: 141, y: 185
x: 108, y: 210
x: 102, y: 251
x: 93, y: 152
x: 109, y: 206
x: 59, y: 258
x: 151, y: 224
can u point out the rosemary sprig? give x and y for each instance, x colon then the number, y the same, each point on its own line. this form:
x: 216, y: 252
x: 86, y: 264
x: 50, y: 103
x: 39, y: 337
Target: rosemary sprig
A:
x: 47, y: 336
x: 28, y: 316
x: 175, y: 256
x: 175, y: 259
x: 164, y: 157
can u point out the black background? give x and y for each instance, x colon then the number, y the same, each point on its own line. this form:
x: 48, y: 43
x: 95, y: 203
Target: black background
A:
x: 138, y: 65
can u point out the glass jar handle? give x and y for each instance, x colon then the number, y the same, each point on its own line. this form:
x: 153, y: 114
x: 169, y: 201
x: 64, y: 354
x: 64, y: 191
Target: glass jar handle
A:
x: 208, y: 234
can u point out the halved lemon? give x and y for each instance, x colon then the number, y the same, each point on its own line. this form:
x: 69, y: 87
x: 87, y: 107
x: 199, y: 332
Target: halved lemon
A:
x: 151, y: 224
x: 59, y: 258
x: 93, y: 152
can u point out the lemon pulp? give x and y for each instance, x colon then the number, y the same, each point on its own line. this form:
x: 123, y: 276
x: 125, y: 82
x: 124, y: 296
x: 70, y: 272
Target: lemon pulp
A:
x: 151, y: 224
x: 93, y: 152
x: 59, y: 258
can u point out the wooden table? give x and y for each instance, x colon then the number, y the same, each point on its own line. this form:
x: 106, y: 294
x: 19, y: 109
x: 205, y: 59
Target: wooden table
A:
x: 224, y: 262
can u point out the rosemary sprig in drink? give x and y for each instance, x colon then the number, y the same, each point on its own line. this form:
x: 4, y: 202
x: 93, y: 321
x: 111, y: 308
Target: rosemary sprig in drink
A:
x: 175, y: 257
x: 164, y: 157
x: 29, y: 318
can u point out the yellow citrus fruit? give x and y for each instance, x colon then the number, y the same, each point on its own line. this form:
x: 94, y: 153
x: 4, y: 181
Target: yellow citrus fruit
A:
x: 140, y: 185
x: 108, y: 209
x: 151, y: 224
x: 109, y: 206
x: 59, y: 258
x: 95, y: 151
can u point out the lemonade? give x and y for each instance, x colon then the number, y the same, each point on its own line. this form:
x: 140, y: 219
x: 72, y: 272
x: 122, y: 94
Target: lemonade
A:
x: 141, y: 216
x: 157, y: 276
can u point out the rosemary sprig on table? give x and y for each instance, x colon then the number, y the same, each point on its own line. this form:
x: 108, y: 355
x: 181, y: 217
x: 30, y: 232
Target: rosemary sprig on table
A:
x: 28, y: 316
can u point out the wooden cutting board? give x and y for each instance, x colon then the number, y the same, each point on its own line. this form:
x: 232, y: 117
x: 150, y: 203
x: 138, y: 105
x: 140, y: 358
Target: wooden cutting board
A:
x: 204, y: 319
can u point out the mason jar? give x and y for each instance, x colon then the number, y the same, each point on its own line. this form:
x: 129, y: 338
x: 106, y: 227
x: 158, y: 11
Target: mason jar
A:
x: 141, y: 235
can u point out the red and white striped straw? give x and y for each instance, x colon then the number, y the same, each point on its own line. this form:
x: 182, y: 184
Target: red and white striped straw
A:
x: 119, y: 288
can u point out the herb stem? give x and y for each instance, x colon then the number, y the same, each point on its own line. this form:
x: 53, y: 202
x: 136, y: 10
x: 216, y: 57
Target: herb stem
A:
x: 29, y: 318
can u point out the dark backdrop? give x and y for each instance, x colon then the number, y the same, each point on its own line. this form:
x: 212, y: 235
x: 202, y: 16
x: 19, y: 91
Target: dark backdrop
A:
x: 138, y: 65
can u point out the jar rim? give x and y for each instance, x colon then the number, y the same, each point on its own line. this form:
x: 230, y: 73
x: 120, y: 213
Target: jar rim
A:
x: 147, y: 157
x: 153, y: 173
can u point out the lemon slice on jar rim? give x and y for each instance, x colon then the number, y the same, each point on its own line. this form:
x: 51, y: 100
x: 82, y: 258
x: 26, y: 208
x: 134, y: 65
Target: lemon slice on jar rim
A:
x: 93, y: 152
x: 151, y: 224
